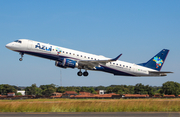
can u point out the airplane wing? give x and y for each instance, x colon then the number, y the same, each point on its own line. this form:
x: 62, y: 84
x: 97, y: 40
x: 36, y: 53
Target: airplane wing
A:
x: 91, y: 64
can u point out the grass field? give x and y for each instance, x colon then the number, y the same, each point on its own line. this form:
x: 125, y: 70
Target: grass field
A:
x: 90, y: 105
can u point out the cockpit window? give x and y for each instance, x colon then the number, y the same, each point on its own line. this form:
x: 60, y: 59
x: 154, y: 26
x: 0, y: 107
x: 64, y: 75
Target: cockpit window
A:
x: 18, y: 41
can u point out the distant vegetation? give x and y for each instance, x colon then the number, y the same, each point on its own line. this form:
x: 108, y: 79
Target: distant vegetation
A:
x: 169, y: 88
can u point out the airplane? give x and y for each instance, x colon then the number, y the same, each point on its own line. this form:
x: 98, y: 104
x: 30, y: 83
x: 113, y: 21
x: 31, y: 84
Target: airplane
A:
x: 68, y: 58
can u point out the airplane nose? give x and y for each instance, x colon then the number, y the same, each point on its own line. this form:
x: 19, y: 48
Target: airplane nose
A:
x: 8, y: 46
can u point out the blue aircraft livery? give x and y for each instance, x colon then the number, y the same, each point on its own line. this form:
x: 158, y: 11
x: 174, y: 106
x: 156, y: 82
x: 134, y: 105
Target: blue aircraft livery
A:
x: 43, y: 47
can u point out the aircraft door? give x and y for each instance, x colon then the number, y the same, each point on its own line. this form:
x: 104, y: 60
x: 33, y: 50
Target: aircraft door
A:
x: 134, y: 68
x: 29, y: 44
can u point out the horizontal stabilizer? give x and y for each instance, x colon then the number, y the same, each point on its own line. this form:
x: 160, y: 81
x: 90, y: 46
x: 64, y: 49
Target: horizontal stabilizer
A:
x: 160, y: 72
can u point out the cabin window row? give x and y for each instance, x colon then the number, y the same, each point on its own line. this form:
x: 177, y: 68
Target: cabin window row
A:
x: 81, y: 56
x: 120, y: 65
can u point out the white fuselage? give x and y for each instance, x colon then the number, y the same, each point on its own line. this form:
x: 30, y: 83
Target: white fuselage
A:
x: 53, y: 52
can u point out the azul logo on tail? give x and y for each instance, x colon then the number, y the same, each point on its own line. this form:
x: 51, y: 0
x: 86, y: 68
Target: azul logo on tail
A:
x: 158, y: 61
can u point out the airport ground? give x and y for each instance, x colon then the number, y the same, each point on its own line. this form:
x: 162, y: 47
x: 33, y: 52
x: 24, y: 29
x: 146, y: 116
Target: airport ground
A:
x: 94, y: 114
x: 90, y: 105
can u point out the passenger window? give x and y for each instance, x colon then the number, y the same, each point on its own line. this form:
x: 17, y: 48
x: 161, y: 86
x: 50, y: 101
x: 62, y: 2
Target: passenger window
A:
x: 116, y: 64
x: 84, y: 56
x: 88, y: 57
x: 66, y: 52
x: 81, y: 55
x: 91, y: 58
x: 69, y: 53
x: 123, y: 65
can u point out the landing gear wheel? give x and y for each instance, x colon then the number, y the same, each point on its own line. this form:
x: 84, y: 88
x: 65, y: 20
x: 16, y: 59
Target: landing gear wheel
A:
x: 21, y: 56
x: 20, y: 59
x: 79, y: 73
x: 85, y: 73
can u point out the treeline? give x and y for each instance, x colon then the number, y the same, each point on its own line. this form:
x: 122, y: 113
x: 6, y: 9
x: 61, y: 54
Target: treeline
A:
x: 169, y: 88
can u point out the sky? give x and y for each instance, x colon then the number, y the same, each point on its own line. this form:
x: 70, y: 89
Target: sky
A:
x: 137, y: 29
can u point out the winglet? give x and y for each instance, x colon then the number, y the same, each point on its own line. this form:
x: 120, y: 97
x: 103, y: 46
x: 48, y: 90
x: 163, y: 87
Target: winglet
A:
x: 115, y: 59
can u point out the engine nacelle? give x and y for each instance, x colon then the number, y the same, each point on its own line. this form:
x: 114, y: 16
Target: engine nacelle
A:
x: 66, y: 63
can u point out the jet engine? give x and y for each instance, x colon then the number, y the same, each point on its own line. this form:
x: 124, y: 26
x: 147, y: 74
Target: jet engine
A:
x: 66, y: 63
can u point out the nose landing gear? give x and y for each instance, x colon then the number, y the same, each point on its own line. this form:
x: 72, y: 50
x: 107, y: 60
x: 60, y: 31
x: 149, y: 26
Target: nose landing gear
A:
x: 20, y: 59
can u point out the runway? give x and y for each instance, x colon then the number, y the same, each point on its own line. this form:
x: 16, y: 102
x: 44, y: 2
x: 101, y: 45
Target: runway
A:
x: 94, y: 114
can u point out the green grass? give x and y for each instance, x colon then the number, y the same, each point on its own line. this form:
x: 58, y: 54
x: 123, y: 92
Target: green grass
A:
x: 90, y: 105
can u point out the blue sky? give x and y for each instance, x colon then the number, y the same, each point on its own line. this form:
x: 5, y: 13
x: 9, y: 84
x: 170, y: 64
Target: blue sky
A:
x: 138, y: 29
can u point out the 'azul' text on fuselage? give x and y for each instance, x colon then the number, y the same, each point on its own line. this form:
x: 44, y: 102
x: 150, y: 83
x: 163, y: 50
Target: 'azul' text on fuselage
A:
x: 43, y: 47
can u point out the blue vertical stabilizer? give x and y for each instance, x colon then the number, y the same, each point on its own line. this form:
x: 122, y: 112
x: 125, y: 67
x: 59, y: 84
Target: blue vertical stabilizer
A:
x: 157, y: 61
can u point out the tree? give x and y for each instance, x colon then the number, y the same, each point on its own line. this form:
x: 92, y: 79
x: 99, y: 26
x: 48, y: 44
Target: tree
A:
x: 33, y: 90
x: 85, y: 89
x: 141, y: 89
x: 60, y: 89
x: 91, y: 90
x: 171, y: 88
x: 47, y: 90
x: 5, y: 88
x: 109, y: 90
x: 18, y: 93
x: 117, y: 89
x: 70, y: 88
x: 77, y: 89
x: 131, y: 89
x: 150, y: 90
x: 125, y: 90
x: 100, y: 88
x: 157, y: 89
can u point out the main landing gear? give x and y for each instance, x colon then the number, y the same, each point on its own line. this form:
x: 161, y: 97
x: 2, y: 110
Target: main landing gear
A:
x: 84, y: 73
x: 21, y: 56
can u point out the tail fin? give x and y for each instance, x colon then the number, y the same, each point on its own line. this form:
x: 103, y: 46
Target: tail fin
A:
x: 157, y: 61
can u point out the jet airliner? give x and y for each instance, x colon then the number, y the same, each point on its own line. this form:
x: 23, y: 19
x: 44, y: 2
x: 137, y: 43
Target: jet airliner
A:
x: 68, y: 58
